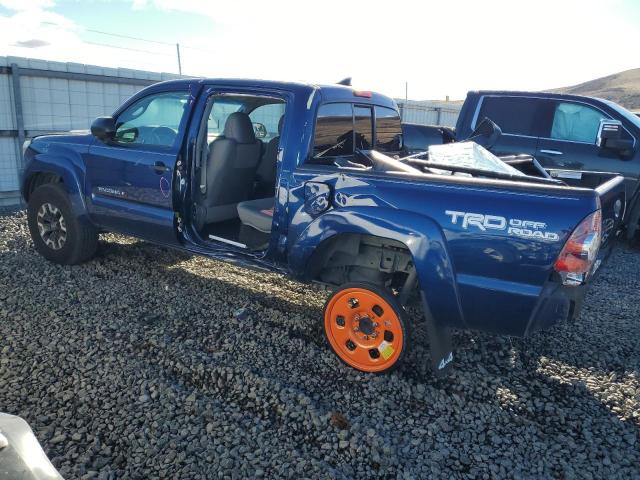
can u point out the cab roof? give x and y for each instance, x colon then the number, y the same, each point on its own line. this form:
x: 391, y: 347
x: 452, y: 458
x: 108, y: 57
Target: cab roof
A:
x: 328, y: 93
x: 521, y: 93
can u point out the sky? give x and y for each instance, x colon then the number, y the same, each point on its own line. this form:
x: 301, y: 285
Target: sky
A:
x: 437, y: 48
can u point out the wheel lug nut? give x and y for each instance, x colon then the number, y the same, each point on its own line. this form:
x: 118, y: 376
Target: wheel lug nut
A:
x: 353, y: 302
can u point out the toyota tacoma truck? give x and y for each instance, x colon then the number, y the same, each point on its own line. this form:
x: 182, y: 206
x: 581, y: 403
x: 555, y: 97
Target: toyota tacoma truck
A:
x: 331, y: 198
x: 565, y: 133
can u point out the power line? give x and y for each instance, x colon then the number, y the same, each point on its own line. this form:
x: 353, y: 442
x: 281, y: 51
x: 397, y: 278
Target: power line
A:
x: 138, y: 39
x: 128, y: 37
x: 127, y: 48
x: 102, y: 32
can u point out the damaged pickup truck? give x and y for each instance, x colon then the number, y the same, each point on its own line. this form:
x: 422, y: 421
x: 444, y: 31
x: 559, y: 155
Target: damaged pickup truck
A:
x: 312, y: 181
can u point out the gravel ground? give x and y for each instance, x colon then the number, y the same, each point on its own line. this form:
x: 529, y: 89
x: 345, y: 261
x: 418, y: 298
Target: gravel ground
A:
x: 137, y: 365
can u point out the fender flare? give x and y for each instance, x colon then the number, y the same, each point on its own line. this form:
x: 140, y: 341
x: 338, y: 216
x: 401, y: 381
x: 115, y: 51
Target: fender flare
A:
x: 422, y: 236
x: 71, y: 171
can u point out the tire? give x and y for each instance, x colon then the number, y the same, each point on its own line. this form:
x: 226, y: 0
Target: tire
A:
x: 366, y: 327
x: 57, y: 233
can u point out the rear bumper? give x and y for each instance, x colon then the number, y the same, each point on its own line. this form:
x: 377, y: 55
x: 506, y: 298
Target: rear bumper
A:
x: 558, y: 303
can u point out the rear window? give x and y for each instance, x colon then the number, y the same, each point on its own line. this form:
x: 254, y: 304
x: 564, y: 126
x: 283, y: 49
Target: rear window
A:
x: 334, y: 131
x: 342, y: 126
x: 514, y: 115
x: 388, y: 130
x: 363, y: 119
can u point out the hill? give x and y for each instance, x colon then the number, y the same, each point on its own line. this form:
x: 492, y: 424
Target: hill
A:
x: 622, y: 88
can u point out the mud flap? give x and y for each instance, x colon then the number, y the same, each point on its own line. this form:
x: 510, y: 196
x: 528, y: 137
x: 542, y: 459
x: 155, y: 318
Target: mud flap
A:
x: 440, y: 340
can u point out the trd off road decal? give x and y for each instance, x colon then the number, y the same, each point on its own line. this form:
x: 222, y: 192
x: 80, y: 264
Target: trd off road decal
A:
x: 514, y: 226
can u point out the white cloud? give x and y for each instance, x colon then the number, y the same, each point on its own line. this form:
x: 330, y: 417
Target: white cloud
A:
x: 440, y: 48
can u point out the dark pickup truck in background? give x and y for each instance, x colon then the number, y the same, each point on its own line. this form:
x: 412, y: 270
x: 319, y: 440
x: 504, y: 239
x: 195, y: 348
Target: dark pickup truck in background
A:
x: 565, y: 133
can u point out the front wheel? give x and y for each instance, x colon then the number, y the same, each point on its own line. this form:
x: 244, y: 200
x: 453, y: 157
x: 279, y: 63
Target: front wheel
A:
x: 366, y: 327
x: 58, y: 235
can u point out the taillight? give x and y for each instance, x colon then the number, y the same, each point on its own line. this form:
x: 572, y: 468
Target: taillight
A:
x: 578, y: 254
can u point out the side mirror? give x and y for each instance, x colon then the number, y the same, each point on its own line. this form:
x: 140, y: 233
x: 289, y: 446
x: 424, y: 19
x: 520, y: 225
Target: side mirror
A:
x: 260, y: 130
x: 103, y: 128
x: 609, y: 138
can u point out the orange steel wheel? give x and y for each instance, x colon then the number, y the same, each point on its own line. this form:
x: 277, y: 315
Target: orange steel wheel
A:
x: 365, y: 327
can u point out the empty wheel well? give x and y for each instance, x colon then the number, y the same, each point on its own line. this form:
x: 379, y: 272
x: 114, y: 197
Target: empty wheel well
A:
x: 38, y: 179
x: 348, y: 258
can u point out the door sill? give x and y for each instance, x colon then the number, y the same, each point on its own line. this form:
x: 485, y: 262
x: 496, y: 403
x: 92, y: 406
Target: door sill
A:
x: 230, y: 242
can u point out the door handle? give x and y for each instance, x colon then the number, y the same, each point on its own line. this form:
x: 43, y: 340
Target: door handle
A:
x: 551, y: 152
x: 159, y: 168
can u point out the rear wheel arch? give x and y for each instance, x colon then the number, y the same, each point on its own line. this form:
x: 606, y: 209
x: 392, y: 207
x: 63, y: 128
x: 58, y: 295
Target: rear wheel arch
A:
x: 360, y: 257
x: 420, y: 236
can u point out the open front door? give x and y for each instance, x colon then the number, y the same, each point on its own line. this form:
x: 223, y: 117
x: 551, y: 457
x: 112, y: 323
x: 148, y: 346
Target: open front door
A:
x: 129, y: 179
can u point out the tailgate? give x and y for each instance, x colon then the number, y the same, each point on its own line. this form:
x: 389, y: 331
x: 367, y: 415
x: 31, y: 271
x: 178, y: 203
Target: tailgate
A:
x: 613, y: 203
x: 611, y: 192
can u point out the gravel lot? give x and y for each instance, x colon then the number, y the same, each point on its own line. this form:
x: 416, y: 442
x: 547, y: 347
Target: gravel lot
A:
x: 137, y: 365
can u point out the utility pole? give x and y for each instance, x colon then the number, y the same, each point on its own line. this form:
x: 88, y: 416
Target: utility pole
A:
x: 179, y: 63
x: 406, y: 91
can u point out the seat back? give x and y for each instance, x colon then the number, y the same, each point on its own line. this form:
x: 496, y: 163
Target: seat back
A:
x: 231, y: 168
x: 267, y: 169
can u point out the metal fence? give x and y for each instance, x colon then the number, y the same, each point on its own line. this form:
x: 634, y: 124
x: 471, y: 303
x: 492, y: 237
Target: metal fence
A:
x: 429, y: 112
x: 38, y: 97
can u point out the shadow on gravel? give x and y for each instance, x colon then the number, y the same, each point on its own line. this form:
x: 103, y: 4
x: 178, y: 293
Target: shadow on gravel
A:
x: 177, y: 331
x: 575, y: 345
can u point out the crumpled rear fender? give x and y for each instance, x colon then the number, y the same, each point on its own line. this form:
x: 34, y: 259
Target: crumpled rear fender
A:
x: 422, y: 236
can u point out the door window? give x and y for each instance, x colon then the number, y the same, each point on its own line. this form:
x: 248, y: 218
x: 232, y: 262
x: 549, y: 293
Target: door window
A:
x: 576, y: 122
x: 514, y: 115
x: 152, y: 120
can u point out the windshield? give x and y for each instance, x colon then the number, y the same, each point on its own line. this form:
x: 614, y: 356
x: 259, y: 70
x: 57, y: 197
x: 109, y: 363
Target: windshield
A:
x: 634, y: 119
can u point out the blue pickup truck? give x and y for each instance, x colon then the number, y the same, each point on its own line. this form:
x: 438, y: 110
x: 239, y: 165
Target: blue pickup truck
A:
x: 565, y: 133
x: 330, y: 198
